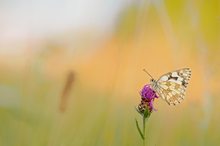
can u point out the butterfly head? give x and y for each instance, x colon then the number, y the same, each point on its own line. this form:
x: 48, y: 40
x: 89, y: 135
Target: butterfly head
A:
x: 152, y: 81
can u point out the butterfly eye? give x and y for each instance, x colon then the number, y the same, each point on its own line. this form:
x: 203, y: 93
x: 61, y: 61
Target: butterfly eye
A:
x: 151, y: 80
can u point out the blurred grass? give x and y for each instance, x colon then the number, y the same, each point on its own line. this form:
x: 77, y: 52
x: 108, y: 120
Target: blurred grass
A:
x: 96, y: 119
x: 99, y: 110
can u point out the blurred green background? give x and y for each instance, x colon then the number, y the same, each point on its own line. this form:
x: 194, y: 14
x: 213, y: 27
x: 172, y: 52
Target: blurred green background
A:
x: 71, y: 71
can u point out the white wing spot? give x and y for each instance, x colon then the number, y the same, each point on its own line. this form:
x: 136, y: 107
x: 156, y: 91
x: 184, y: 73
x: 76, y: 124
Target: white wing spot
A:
x: 174, y: 74
x: 180, y: 79
x: 164, y: 78
x: 178, y: 82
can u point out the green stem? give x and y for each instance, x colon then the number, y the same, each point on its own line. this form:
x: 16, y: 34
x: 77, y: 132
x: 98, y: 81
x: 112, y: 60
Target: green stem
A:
x: 144, y: 131
x: 145, y: 117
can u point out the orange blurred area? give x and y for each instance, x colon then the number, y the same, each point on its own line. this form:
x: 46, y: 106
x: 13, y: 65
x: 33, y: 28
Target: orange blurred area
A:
x: 116, y: 65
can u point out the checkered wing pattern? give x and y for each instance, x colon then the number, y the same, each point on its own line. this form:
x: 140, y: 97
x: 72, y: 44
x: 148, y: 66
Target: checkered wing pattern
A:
x: 172, y: 86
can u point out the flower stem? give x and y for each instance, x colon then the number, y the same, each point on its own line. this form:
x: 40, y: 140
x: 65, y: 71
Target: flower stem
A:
x: 144, y: 131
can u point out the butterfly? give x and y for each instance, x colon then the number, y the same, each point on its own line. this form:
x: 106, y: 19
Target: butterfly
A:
x: 171, y: 86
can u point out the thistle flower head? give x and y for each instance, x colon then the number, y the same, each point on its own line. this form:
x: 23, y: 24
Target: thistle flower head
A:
x: 147, y: 93
x: 147, y: 98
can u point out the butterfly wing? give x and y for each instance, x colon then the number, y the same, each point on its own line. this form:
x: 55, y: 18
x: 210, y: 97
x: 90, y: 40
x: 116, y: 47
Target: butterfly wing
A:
x: 172, y: 86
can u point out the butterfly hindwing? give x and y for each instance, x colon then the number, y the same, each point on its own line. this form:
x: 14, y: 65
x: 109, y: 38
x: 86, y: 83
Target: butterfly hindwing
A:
x: 171, y: 86
x: 171, y: 92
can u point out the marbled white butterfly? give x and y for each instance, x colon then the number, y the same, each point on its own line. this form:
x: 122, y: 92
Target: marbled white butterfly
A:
x: 172, y: 85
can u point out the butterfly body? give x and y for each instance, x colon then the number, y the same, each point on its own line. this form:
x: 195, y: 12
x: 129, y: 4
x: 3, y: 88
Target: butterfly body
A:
x: 172, y: 86
x: 153, y: 84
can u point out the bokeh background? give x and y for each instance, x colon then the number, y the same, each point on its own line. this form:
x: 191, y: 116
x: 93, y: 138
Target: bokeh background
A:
x: 71, y: 71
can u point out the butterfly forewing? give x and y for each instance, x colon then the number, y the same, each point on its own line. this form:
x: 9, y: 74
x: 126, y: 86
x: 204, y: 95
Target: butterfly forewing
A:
x: 171, y: 86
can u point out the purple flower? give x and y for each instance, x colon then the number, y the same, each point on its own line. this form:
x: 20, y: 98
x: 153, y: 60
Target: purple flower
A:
x: 147, y: 95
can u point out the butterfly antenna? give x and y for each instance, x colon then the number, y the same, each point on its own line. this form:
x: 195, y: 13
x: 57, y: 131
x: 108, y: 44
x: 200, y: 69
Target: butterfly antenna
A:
x: 147, y: 73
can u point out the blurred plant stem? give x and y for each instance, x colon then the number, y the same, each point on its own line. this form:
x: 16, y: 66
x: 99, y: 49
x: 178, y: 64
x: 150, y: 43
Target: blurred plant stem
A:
x: 168, y: 29
x: 204, y: 53
x: 66, y: 91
